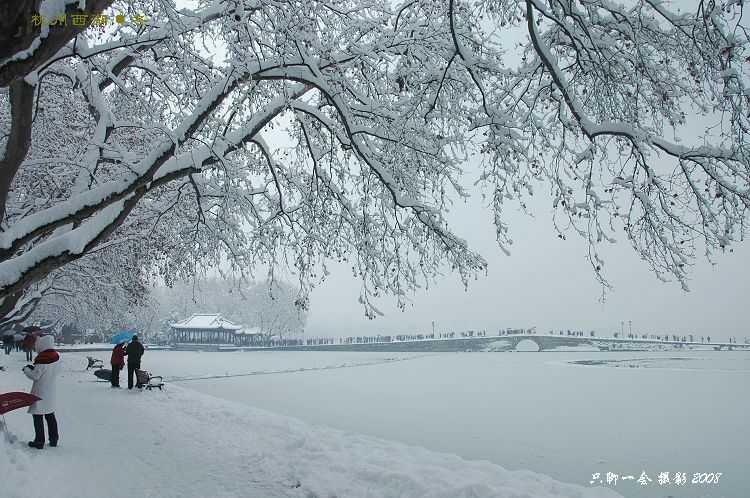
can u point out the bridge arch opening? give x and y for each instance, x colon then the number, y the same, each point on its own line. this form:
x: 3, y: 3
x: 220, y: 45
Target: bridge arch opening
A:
x: 527, y: 345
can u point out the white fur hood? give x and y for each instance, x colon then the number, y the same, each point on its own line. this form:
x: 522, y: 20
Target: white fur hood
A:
x: 44, y: 343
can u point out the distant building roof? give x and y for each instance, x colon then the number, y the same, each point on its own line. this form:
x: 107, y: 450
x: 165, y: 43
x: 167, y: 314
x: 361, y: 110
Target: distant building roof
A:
x: 200, y: 321
x: 248, y: 331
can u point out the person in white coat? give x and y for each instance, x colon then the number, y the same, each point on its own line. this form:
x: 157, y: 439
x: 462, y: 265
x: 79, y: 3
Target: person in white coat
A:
x: 44, y: 374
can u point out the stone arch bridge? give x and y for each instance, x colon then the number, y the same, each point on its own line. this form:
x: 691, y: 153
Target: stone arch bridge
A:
x: 511, y: 342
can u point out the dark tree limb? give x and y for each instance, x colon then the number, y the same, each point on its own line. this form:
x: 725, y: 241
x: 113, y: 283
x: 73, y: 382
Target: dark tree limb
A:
x: 18, y: 33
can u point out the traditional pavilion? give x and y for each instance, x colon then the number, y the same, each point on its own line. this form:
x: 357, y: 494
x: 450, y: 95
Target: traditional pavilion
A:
x: 205, y: 329
x: 248, y: 337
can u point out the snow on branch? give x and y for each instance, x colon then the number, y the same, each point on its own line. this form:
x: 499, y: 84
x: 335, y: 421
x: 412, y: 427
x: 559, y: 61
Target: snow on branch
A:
x: 280, y: 134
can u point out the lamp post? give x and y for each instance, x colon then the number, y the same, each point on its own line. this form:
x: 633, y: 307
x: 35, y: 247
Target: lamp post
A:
x: 630, y: 325
x: 433, y: 329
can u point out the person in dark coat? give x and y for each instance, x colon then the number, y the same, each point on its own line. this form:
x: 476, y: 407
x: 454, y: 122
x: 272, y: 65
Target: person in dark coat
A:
x: 28, y: 344
x: 134, y: 352
x: 118, y: 363
x: 18, y: 339
x: 8, y: 342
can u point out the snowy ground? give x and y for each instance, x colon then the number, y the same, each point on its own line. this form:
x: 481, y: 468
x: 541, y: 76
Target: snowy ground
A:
x: 181, y: 443
x: 653, y: 412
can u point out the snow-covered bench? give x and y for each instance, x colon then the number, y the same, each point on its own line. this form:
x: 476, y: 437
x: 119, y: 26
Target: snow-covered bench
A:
x: 149, y: 381
x: 94, y: 363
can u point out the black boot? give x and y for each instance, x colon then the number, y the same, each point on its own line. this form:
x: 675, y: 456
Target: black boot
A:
x: 38, y: 441
x: 52, y: 426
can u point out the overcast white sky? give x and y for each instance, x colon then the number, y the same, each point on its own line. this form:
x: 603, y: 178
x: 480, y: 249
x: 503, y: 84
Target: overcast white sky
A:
x: 546, y: 283
x: 549, y: 284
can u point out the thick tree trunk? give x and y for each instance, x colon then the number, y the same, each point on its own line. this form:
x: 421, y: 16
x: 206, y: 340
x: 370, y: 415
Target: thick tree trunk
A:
x: 19, y: 140
x: 16, y: 29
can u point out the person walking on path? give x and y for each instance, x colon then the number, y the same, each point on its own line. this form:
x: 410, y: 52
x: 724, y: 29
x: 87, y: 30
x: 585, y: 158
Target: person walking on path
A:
x: 118, y: 363
x: 134, y: 352
x: 18, y: 339
x: 8, y: 342
x: 28, y: 344
x: 44, y: 374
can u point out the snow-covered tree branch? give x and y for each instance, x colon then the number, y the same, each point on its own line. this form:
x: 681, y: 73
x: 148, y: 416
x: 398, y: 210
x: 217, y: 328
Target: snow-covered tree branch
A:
x: 295, y: 133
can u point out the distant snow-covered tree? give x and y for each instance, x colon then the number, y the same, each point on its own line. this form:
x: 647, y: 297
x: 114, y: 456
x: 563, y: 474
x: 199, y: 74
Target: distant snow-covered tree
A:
x: 271, y: 306
x: 275, y: 310
x: 165, y: 132
x: 106, y: 291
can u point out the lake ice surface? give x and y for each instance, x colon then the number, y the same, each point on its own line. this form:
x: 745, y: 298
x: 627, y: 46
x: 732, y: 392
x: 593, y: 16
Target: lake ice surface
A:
x: 565, y: 414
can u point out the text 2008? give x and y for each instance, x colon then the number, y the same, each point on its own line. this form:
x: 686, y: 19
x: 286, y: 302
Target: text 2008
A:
x: 704, y: 478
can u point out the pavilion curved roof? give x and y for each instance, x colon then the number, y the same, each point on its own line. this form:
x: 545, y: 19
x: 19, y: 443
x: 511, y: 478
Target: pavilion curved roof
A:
x: 206, y: 321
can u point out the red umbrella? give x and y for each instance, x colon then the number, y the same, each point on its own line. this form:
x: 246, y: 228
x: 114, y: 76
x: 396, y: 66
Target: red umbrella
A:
x: 13, y: 401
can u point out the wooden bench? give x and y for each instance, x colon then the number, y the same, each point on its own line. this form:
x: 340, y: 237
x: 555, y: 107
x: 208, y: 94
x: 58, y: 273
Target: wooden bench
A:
x: 94, y: 363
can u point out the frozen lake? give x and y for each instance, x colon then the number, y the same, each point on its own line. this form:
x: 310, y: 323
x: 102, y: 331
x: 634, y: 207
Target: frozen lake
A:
x: 634, y: 413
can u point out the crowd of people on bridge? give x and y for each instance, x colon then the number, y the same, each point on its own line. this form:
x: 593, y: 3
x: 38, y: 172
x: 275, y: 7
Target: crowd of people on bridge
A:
x: 321, y: 341
x: 376, y: 339
x: 664, y: 337
x: 414, y: 337
x: 506, y: 332
x: 573, y: 333
x: 379, y: 339
x: 677, y: 338
x: 279, y: 343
